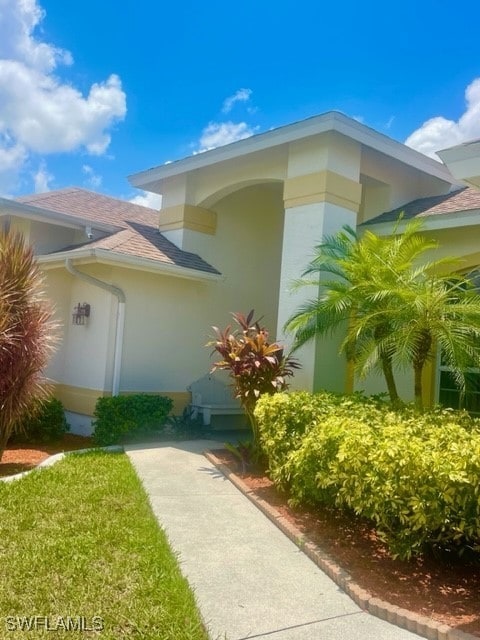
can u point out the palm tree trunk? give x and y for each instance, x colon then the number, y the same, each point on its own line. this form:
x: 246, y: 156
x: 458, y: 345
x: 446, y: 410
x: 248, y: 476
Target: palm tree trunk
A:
x: 418, y: 387
x: 390, y: 380
x: 381, y: 331
x: 423, y: 351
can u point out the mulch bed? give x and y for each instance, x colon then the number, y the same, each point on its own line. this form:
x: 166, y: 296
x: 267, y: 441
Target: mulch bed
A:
x: 22, y: 457
x: 444, y: 589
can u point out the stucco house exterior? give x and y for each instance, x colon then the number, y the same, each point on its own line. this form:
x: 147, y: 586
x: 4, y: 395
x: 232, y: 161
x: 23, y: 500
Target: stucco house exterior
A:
x: 237, y: 226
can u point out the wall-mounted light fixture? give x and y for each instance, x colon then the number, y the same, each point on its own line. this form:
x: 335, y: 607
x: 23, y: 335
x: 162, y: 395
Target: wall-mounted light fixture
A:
x: 80, y: 313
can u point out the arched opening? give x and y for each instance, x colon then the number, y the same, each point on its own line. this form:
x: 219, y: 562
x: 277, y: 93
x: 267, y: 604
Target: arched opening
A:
x: 247, y: 248
x: 211, y: 200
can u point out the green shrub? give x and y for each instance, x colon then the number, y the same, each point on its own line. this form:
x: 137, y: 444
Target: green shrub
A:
x: 285, y: 419
x: 47, y: 424
x: 119, y: 417
x: 416, y: 476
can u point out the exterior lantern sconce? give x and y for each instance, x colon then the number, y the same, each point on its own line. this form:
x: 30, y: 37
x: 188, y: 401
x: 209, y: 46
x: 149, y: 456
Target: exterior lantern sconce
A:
x: 80, y: 312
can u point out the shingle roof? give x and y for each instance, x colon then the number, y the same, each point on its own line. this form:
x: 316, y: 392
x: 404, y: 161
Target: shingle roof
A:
x: 466, y: 199
x: 91, y: 206
x: 139, y: 235
x: 144, y: 241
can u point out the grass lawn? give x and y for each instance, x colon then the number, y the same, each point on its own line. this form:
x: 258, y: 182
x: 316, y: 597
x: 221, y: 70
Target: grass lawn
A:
x: 80, y: 549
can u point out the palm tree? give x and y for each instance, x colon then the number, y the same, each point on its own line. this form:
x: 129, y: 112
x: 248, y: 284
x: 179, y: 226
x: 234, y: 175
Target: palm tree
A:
x: 376, y: 286
x: 26, y: 334
x: 436, y: 312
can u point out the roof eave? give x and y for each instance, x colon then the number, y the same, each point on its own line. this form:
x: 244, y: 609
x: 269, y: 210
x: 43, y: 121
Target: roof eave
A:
x: 105, y: 256
x: 463, y: 161
x: 331, y: 121
x: 433, y: 222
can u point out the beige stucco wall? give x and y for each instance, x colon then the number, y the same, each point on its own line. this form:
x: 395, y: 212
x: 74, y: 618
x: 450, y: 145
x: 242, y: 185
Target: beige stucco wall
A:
x: 461, y: 243
x: 165, y: 330
x: 45, y: 237
x: 396, y: 183
x: 206, y: 187
x: 81, y: 365
x: 49, y: 237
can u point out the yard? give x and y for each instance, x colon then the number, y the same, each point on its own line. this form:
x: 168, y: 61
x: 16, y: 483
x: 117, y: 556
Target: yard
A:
x: 82, y: 550
x: 91, y: 506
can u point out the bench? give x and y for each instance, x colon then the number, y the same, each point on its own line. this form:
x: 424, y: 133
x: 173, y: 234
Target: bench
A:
x: 210, y: 397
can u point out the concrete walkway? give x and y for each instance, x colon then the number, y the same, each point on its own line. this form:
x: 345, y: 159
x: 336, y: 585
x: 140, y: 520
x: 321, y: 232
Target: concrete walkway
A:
x: 250, y: 581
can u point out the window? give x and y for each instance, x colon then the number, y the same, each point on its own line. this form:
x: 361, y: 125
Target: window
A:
x: 448, y: 392
x: 450, y: 396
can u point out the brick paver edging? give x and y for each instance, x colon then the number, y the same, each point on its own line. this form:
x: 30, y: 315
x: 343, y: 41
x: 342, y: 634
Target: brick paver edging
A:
x: 409, y: 620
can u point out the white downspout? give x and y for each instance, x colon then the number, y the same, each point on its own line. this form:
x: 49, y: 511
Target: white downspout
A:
x: 120, y: 326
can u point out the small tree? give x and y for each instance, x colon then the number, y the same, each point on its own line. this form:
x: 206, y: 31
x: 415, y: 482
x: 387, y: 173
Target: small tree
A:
x: 256, y: 366
x: 26, y: 334
x: 436, y: 312
x: 398, y: 306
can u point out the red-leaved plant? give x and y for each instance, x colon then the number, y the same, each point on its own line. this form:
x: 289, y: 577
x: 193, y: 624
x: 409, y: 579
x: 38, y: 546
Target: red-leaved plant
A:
x: 26, y: 335
x: 256, y: 366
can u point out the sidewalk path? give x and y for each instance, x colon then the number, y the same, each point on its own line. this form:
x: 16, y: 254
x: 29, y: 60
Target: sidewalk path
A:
x: 249, y: 579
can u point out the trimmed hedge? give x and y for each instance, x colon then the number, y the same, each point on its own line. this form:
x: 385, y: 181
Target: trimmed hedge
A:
x: 47, y: 424
x: 119, y: 417
x: 416, y: 476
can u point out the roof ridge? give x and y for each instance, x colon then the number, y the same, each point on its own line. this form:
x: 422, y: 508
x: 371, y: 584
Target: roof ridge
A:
x: 35, y: 197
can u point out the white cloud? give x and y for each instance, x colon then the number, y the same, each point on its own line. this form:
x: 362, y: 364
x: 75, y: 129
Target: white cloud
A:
x: 389, y: 122
x: 217, y: 134
x: 42, y: 178
x: 440, y: 133
x: 18, y: 20
x: 12, y: 158
x: 38, y: 112
x: 147, y: 199
x: 93, y: 179
x: 242, y: 95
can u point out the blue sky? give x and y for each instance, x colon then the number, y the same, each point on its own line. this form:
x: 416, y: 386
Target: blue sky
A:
x: 95, y: 90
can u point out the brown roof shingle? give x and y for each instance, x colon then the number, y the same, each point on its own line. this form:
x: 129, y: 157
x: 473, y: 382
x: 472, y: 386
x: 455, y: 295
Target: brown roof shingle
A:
x: 139, y: 235
x: 89, y: 205
x: 466, y: 199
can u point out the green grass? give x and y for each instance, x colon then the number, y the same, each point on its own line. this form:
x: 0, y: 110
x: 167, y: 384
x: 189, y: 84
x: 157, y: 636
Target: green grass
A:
x: 79, y: 539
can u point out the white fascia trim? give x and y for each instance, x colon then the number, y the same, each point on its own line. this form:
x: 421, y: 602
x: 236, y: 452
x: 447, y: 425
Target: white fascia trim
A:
x: 430, y: 223
x: 104, y: 256
x: 331, y: 121
x: 462, y: 151
x: 13, y: 208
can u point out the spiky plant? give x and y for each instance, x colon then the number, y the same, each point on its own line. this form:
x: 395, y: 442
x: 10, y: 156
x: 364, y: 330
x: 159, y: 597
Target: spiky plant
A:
x: 256, y: 366
x: 27, y: 334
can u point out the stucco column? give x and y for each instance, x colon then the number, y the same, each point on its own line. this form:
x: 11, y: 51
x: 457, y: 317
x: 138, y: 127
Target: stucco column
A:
x: 317, y: 204
x: 180, y: 220
x: 182, y: 224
